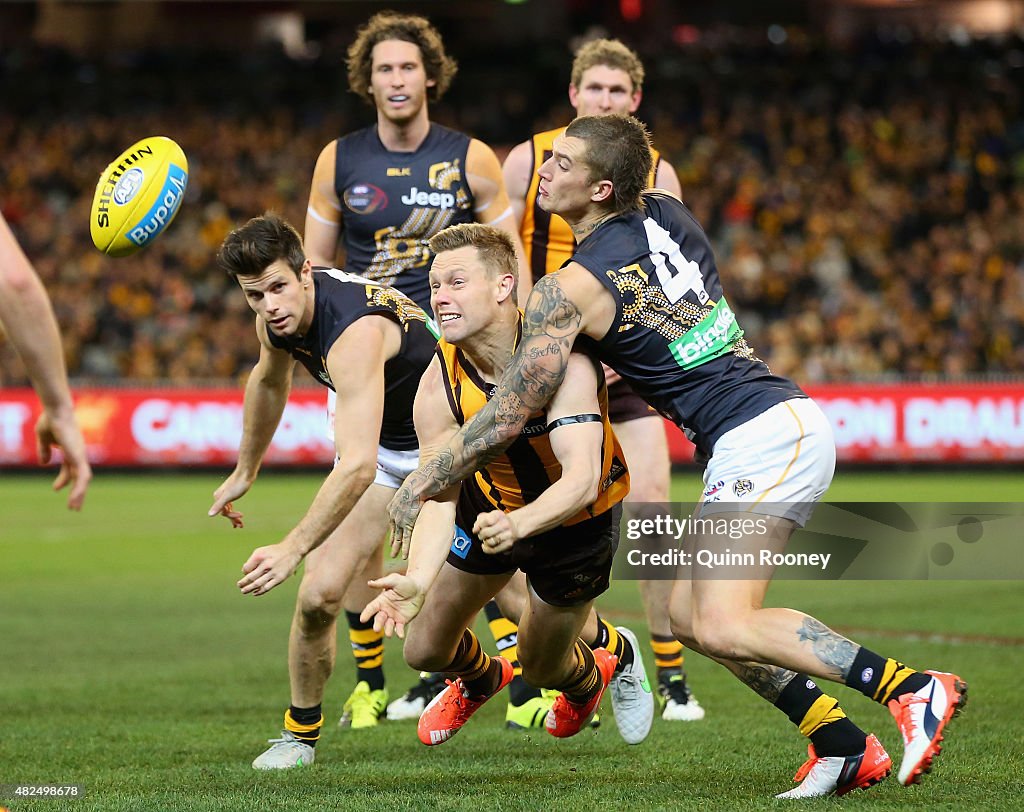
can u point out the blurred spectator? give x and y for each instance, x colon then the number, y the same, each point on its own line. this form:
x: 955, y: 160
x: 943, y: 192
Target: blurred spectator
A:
x: 865, y: 202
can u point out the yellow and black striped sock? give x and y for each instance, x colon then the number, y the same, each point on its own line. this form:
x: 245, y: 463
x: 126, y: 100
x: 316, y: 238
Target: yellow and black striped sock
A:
x: 304, y: 723
x: 585, y: 680
x: 820, y: 719
x: 368, y: 649
x: 883, y: 679
x: 479, y: 673
x: 506, y: 638
x: 506, y: 634
x: 668, y: 653
x: 611, y: 641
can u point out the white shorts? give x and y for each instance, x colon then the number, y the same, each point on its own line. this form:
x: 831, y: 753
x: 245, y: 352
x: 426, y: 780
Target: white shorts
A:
x: 392, y: 466
x: 780, y: 463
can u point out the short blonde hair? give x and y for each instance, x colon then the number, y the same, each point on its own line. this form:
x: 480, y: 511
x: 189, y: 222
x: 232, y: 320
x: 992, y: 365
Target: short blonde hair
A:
x: 611, y: 53
x: 495, y: 247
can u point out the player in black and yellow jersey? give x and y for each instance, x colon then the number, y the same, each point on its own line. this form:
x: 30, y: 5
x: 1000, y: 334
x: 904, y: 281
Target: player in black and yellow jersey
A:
x: 607, y: 78
x: 379, y: 194
x: 385, y: 190
x: 548, y: 505
x: 341, y: 328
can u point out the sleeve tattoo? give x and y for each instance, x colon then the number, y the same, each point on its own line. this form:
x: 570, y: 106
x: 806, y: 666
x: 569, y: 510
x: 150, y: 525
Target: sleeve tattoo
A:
x: 530, y: 381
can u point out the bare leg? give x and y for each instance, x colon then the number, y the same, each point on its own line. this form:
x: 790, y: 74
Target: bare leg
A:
x: 328, y: 574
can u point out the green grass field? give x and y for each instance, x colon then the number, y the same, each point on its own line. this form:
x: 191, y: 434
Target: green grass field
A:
x: 130, y: 664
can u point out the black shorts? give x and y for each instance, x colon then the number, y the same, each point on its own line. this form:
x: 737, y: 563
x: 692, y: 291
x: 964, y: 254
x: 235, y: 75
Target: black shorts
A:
x: 624, y: 404
x: 565, y: 566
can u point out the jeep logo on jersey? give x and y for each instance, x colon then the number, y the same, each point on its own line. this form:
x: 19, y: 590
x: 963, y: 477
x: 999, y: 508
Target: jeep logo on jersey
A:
x: 435, y: 200
x: 365, y: 198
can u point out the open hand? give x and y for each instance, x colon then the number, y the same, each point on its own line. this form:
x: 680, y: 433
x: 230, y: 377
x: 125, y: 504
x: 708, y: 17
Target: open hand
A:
x: 400, y: 601
x: 267, y: 567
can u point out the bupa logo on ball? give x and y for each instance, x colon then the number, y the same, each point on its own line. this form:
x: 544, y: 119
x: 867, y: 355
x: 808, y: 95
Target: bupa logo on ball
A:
x: 130, y: 183
x: 164, y: 209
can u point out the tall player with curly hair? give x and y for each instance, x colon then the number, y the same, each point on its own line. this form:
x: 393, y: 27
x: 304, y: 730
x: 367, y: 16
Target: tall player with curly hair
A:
x: 380, y: 193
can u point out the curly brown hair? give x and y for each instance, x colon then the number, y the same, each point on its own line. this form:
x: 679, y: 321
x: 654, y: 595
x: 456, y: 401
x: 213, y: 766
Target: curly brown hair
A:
x: 386, y: 25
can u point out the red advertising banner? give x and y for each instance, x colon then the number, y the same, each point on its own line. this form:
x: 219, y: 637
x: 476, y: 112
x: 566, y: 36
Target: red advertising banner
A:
x: 918, y: 423
x: 201, y: 427
x: 153, y: 427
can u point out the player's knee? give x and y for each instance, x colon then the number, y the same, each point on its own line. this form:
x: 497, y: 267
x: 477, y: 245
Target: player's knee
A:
x: 718, y: 637
x: 681, y: 624
x: 318, y: 606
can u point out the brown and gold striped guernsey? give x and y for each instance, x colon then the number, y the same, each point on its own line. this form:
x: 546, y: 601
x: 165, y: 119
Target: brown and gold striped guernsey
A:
x: 547, y: 238
x: 528, y: 466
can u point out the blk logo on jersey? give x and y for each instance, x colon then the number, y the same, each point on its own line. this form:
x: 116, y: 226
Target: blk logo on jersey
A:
x: 713, y: 492
x: 365, y: 198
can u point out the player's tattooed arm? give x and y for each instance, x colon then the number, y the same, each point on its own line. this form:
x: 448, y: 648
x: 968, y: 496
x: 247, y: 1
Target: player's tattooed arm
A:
x: 534, y: 373
x: 766, y: 681
x: 550, y: 326
x: 835, y: 651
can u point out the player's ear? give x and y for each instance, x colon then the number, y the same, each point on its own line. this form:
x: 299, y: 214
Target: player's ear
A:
x: 506, y: 286
x: 306, y: 273
x: 574, y: 96
x: 602, y: 191
x: 638, y: 96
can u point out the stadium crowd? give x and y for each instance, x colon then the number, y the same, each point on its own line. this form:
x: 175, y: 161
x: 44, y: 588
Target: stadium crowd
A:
x: 864, y: 201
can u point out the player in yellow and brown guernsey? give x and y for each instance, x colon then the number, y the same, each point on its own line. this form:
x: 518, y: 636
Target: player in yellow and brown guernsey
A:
x: 382, y: 192
x: 607, y: 78
x: 548, y: 506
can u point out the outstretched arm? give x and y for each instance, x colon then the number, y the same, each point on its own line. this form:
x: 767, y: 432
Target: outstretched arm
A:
x: 359, y: 354
x: 402, y: 594
x: 27, y: 317
x: 561, y: 306
x: 266, y: 393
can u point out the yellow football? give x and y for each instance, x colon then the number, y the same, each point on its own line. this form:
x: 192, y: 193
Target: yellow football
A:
x: 138, y: 195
